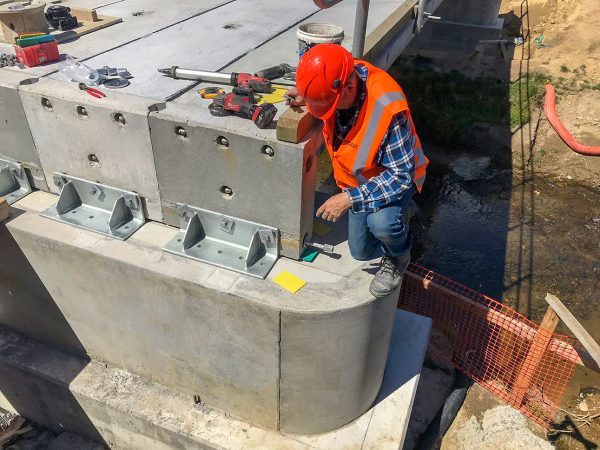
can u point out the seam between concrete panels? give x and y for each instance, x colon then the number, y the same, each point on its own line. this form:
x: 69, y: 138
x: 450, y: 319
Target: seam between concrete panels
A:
x: 279, y: 374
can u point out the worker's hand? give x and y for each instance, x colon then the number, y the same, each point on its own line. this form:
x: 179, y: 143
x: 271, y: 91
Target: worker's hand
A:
x: 335, y: 207
x: 293, y: 98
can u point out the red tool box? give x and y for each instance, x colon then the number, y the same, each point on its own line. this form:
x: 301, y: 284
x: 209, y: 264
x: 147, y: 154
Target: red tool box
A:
x: 37, y: 54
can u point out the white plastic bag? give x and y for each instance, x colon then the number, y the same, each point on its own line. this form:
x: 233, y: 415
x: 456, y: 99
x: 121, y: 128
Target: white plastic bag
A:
x: 73, y: 70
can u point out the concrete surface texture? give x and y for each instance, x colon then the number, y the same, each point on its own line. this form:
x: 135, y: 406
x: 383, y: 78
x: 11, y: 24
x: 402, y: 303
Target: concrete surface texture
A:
x: 122, y: 410
x: 70, y: 127
x: 278, y: 189
x: 244, y: 345
x: 15, y: 134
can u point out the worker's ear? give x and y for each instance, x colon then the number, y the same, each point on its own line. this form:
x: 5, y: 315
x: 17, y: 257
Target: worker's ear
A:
x: 349, y: 88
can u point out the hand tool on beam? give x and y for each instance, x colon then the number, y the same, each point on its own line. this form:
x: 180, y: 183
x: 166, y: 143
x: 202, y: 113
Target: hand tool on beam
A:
x: 210, y: 92
x: 244, y: 80
x: 91, y: 91
x: 241, y: 103
x: 282, y: 70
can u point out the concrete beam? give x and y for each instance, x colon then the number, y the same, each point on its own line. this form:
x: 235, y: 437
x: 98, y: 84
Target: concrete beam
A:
x: 69, y: 126
x: 274, y: 190
x: 122, y: 410
x: 150, y: 17
x: 209, y: 41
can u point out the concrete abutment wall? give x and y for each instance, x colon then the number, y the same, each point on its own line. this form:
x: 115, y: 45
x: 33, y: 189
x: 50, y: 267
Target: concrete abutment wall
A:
x: 307, y: 363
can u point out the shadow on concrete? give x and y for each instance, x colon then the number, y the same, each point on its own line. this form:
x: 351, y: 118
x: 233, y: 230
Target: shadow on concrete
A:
x: 27, y: 309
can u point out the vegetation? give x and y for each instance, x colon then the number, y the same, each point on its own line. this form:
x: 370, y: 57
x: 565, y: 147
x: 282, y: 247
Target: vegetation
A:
x: 447, y: 104
x: 526, y: 95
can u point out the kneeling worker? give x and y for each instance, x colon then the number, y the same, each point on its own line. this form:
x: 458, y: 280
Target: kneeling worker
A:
x: 375, y: 152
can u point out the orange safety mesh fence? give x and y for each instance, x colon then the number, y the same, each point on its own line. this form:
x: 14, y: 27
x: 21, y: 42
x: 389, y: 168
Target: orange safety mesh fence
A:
x: 506, y: 353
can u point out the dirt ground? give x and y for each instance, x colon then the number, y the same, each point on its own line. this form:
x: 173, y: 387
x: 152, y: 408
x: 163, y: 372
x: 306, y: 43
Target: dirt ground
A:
x: 570, y: 54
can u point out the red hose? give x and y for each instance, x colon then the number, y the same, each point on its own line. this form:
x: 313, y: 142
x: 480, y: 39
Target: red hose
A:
x: 550, y: 110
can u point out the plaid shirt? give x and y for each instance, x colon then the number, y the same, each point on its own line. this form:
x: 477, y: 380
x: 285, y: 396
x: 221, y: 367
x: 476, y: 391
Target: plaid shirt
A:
x: 395, y: 156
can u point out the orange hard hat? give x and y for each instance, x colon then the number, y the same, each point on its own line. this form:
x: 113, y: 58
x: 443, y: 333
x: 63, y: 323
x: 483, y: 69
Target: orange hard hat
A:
x: 321, y: 76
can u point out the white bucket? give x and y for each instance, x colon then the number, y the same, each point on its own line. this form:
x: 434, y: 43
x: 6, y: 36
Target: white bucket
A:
x: 311, y: 34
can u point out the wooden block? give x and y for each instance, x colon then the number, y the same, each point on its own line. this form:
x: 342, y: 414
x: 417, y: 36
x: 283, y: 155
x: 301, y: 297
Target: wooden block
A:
x: 85, y: 14
x: 576, y: 328
x: 4, y: 209
x: 534, y: 356
x: 86, y: 27
x: 294, y: 123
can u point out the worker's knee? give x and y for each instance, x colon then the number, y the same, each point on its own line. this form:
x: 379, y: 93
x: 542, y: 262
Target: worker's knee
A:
x: 387, y: 224
x: 361, y: 249
x: 360, y: 253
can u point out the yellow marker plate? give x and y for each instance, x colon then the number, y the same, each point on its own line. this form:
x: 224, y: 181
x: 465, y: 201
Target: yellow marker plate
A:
x: 277, y: 96
x: 320, y: 228
x: 289, y: 282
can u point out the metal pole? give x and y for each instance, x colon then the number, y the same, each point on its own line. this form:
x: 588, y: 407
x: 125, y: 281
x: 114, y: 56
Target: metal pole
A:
x: 360, y: 28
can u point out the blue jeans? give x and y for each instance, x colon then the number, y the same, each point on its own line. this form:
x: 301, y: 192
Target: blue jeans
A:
x: 384, y: 232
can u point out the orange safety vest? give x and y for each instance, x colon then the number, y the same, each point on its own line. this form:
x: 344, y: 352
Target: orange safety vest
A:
x: 354, y: 161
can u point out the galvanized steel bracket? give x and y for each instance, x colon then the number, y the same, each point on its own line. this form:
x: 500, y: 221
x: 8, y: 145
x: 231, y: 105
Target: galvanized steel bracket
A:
x: 228, y: 242
x: 14, y: 184
x: 96, y: 207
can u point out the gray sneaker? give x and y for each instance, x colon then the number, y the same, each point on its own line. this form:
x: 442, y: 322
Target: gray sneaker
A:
x: 388, y: 278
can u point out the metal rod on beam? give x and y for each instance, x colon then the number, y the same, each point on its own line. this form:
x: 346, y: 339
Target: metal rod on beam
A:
x: 360, y: 28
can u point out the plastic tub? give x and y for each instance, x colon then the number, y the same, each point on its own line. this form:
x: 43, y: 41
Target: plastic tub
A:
x: 311, y: 34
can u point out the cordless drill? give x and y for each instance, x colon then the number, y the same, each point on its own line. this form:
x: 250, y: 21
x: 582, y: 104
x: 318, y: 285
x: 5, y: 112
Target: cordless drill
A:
x: 241, y: 103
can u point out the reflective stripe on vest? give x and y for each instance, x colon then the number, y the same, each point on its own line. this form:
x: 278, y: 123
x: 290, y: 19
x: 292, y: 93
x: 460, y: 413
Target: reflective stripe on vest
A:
x: 368, y: 140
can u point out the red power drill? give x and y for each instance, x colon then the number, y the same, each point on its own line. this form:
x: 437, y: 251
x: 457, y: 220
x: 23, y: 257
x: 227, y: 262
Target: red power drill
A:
x: 241, y: 103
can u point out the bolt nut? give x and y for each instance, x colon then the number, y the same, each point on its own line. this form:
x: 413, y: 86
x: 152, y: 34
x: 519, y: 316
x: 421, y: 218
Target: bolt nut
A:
x: 222, y: 141
x: 226, y: 191
x: 46, y: 103
x: 119, y: 118
x: 82, y: 111
x: 268, y: 151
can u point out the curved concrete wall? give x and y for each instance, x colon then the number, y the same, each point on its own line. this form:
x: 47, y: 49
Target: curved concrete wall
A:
x: 308, y: 362
x: 332, y: 364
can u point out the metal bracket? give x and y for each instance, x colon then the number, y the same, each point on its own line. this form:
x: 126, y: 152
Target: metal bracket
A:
x: 96, y: 207
x: 421, y: 16
x: 14, y: 184
x: 228, y: 242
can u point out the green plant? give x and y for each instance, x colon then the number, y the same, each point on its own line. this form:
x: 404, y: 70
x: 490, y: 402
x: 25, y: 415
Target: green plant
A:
x: 525, y: 95
x: 564, y: 69
x: 445, y: 105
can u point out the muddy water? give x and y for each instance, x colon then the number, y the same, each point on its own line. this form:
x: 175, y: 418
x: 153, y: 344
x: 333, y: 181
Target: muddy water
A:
x: 514, y: 237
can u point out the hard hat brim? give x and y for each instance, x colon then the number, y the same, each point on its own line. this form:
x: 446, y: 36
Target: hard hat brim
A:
x: 323, y: 112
